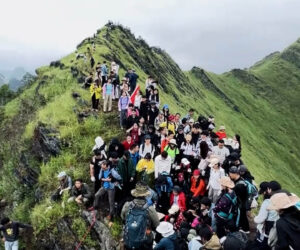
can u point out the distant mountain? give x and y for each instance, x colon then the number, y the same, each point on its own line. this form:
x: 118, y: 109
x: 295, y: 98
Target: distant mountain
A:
x: 12, y: 77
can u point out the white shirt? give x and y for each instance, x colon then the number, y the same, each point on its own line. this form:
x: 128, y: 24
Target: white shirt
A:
x: 147, y: 149
x: 188, y: 149
x: 222, y: 153
x: 162, y: 165
x: 215, y: 176
x: 137, y: 101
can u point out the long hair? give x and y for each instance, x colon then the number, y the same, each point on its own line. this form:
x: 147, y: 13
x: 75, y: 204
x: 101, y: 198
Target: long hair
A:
x: 203, y: 149
x: 238, y: 138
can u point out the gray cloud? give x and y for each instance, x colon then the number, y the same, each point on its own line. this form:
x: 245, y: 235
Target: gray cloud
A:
x: 215, y: 35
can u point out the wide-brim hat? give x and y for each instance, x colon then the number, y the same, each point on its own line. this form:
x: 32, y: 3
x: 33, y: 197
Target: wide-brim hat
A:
x: 227, y: 182
x: 140, y: 191
x: 165, y: 229
x: 173, y: 141
x: 282, y: 201
x: 213, y: 162
x: 174, y: 209
x: 222, y: 127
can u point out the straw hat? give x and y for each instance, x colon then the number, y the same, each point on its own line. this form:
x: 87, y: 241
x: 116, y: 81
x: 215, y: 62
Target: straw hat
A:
x: 282, y: 201
x: 213, y: 162
x: 165, y: 229
x: 227, y: 182
x: 140, y: 191
x: 174, y: 209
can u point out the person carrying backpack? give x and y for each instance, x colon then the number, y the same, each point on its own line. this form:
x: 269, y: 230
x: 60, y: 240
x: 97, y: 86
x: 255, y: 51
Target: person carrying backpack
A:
x: 140, y: 219
x: 226, y: 206
x: 163, y: 187
x: 288, y: 225
x: 169, y: 238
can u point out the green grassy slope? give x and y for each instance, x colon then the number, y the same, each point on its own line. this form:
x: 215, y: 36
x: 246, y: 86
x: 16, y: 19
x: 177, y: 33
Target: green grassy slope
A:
x: 261, y: 104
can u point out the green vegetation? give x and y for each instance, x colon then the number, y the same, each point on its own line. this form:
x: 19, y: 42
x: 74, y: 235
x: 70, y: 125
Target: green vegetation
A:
x: 261, y: 104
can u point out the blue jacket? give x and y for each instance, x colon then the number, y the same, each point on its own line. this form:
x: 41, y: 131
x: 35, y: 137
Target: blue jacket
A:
x: 167, y: 243
x: 114, y: 174
x: 135, y: 158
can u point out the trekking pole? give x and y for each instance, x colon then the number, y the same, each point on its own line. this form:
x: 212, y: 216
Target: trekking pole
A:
x: 88, y: 231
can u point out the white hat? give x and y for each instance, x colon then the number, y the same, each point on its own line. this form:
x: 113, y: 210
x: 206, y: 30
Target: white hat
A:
x: 61, y: 174
x: 191, y: 120
x: 173, y: 141
x: 165, y: 229
x: 185, y: 161
x: 213, y: 162
x: 174, y: 209
x: 99, y: 142
x: 222, y: 127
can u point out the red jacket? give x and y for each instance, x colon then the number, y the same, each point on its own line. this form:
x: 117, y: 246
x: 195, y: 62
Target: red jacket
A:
x: 221, y: 135
x: 197, y: 190
x: 127, y: 145
x: 181, y: 201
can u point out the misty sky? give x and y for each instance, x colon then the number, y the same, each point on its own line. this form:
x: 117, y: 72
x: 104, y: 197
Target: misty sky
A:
x: 217, y: 35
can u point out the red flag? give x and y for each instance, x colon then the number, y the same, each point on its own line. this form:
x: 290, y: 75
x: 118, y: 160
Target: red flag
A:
x: 132, y: 97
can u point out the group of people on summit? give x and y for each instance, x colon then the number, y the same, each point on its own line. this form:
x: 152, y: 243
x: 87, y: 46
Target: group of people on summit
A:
x: 175, y: 181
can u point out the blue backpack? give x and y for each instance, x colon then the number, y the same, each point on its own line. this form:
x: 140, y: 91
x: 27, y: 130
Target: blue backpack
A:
x: 136, y: 226
x: 234, y: 212
x: 252, y: 192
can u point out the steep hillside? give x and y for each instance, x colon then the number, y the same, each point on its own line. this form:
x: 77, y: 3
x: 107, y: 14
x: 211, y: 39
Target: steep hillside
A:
x: 49, y: 127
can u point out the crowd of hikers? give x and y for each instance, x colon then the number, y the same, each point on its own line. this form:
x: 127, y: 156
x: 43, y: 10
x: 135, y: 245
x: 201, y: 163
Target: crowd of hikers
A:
x: 175, y: 181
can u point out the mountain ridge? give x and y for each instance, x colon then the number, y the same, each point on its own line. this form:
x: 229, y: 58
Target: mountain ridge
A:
x: 250, y: 102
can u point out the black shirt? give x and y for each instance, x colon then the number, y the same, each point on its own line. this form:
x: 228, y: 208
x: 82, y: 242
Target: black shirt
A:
x: 11, y: 231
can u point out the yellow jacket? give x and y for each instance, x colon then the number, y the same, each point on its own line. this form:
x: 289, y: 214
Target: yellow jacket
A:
x: 94, y: 89
x: 171, y: 126
x: 144, y: 163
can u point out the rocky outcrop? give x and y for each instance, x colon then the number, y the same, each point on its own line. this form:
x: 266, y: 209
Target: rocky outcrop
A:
x: 45, y: 142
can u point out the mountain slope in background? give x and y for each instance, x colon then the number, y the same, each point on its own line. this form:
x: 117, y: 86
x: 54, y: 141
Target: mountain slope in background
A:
x: 12, y: 77
x: 50, y: 126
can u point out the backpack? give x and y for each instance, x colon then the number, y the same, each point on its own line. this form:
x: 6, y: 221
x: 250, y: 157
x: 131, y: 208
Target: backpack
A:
x: 163, y: 183
x: 136, y: 226
x: 180, y: 244
x: 234, y: 212
x: 252, y: 193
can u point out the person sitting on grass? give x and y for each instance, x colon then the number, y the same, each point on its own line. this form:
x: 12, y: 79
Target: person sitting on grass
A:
x: 65, y: 185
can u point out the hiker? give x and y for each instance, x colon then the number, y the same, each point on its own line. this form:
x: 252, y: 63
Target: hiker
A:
x: 169, y: 123
x: 128, y: 142
x: 180, y: 137
x: 132, y: 118
x: 265, y: 218
x: 245, y: 173
x: 113, y: 160
x: 288, y: 224
x: 10, y: 232
x: 166, y: 140
x: 145, y: 170
x: 203, y: 214
x: 155, y: 140
x: 225, y: 206
x: 135, y: 132
x: 188, y: 149
x: 147, y: 147
x: 132, y: 80
x: 162, y: 163
x: 154, y: 97
x: 88, y: 80
x: 204, y: 153
x: 204, y: 137
x: 152, y: 113
x: 131, y: 109
x: 140, y: 219
x: 190, y: 115
x: 80, y: 193
x: 189, y: 125
x: 220, y: 151
x: 177, y: 120
x: 126, y: 170
x: 116, y: 146
x: 134, y: 154
x: 109, y: 178
x: 95, y: 90
x: 159, y: 120
x: 221, y: 133
x: 178, y: 198
x: 123, y: 106
x: 197, y: 184
x: 242, y: 193
x: 214, y: 186
x: 234, y: 239
x: 108, y: 94
x: 65, y: 185
x: 104, y: 72
x: 115, y: 80
x: 232, y: 160
x: 98, y: 70
x: 114, y: 67
x: 124, y: 85
x: 163, y: 187
x: 195, y: 133
x: 172, y: 150
x: 168, y: 241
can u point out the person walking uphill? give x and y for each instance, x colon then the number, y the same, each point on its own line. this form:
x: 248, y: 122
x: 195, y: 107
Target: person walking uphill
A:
x: 140, y: 219
x: 110, y: 179
x: 108, y: 94
x: 123, y: 106
x: 95, y: 90
x: 10, y: 231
